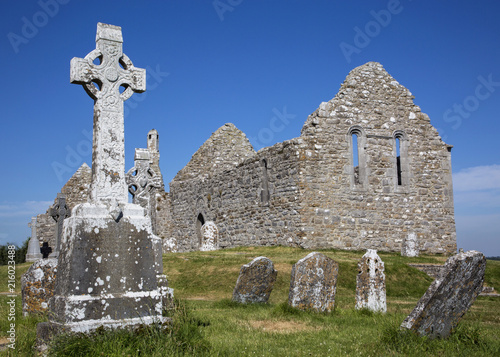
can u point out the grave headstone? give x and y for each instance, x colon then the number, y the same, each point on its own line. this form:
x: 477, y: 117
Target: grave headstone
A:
x: 410, y: 246
x: 449, y: 297
x: 313, y: 283
x: 33, y: 253
x: 37, y: 285
x: 109, y: 267
x: 370, y: 283
x: 59, y: 212
x: 255, y: 282
x: 209, y: 236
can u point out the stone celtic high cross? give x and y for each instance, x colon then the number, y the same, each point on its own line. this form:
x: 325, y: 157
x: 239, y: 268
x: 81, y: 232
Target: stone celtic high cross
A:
x: 103, y: 82
x: 59, y: 212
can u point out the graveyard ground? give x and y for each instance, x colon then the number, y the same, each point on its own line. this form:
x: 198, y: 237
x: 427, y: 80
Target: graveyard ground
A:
x: 206, y: 322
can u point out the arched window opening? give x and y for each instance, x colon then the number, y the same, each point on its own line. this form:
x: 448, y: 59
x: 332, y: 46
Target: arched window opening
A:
x: 401, y: 160
x: 398, y: 160
x: 356, y: 139
x: 264, y: 193
x: 200, y: 221
x: 355, y: 157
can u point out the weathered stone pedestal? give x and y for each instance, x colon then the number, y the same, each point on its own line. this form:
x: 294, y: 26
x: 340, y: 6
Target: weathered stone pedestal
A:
x: 108, y: 273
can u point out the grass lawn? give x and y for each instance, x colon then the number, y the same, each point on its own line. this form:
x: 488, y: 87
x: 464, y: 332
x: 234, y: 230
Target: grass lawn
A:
x: 207, y: 322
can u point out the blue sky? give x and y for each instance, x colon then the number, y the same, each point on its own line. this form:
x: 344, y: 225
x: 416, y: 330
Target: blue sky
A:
x: 245, y: 61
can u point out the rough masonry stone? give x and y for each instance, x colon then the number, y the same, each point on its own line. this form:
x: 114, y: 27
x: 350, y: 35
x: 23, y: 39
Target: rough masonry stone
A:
x: 313, y: 283
x: 255, y: 282
x: 33, y: 253
x: 37, y: 285
x: 370, y: 283
x: 449, y: 297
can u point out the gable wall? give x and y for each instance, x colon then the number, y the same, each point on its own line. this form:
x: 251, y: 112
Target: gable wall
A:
x: 378, y: 214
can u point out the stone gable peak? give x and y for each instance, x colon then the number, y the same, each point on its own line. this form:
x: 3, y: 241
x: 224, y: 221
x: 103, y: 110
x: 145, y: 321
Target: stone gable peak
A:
x: 224, y: 149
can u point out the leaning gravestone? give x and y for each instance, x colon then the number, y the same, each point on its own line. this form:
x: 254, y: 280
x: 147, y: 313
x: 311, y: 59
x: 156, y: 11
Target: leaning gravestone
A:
x: 37, y: 285
x: 410, y: 246
x: 313, y: 283
x: 370, y: 283
x: 255, y: 282
x: 449, y: 297
x: 33, y: 253
x: 109, y: 265
x: 209, y: 237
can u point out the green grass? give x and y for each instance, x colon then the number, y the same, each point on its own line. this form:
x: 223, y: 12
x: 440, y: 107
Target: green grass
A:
x: 207, y: 323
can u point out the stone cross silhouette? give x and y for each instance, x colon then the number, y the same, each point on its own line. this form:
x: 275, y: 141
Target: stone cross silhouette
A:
x: 104, y: 82
x: 33, y: 252
x: 32, y: 225
x: 59, y: 212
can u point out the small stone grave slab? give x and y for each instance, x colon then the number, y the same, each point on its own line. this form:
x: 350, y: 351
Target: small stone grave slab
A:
x: 313, y: 283
x: 370, y: 283
x: 255, y: 282
x: 410, y: 246
x: 209, y: 237
x: 449, y: 297
x: 37, y: 285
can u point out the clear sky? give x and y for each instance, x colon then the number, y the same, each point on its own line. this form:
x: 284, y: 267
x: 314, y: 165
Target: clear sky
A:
x: 245, y: 61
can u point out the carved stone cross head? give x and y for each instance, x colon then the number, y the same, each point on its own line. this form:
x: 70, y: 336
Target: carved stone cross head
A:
x: 115, y: 69
x: 102, y: 81
x: 60, y: 209
x: 141, y: 179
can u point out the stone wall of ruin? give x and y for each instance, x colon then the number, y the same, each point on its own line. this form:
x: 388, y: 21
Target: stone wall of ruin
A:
x: 315, y: 197
x: 245, y: 211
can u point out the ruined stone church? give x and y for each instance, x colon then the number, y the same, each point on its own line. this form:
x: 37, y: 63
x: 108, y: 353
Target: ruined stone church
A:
x: 367, y: 171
